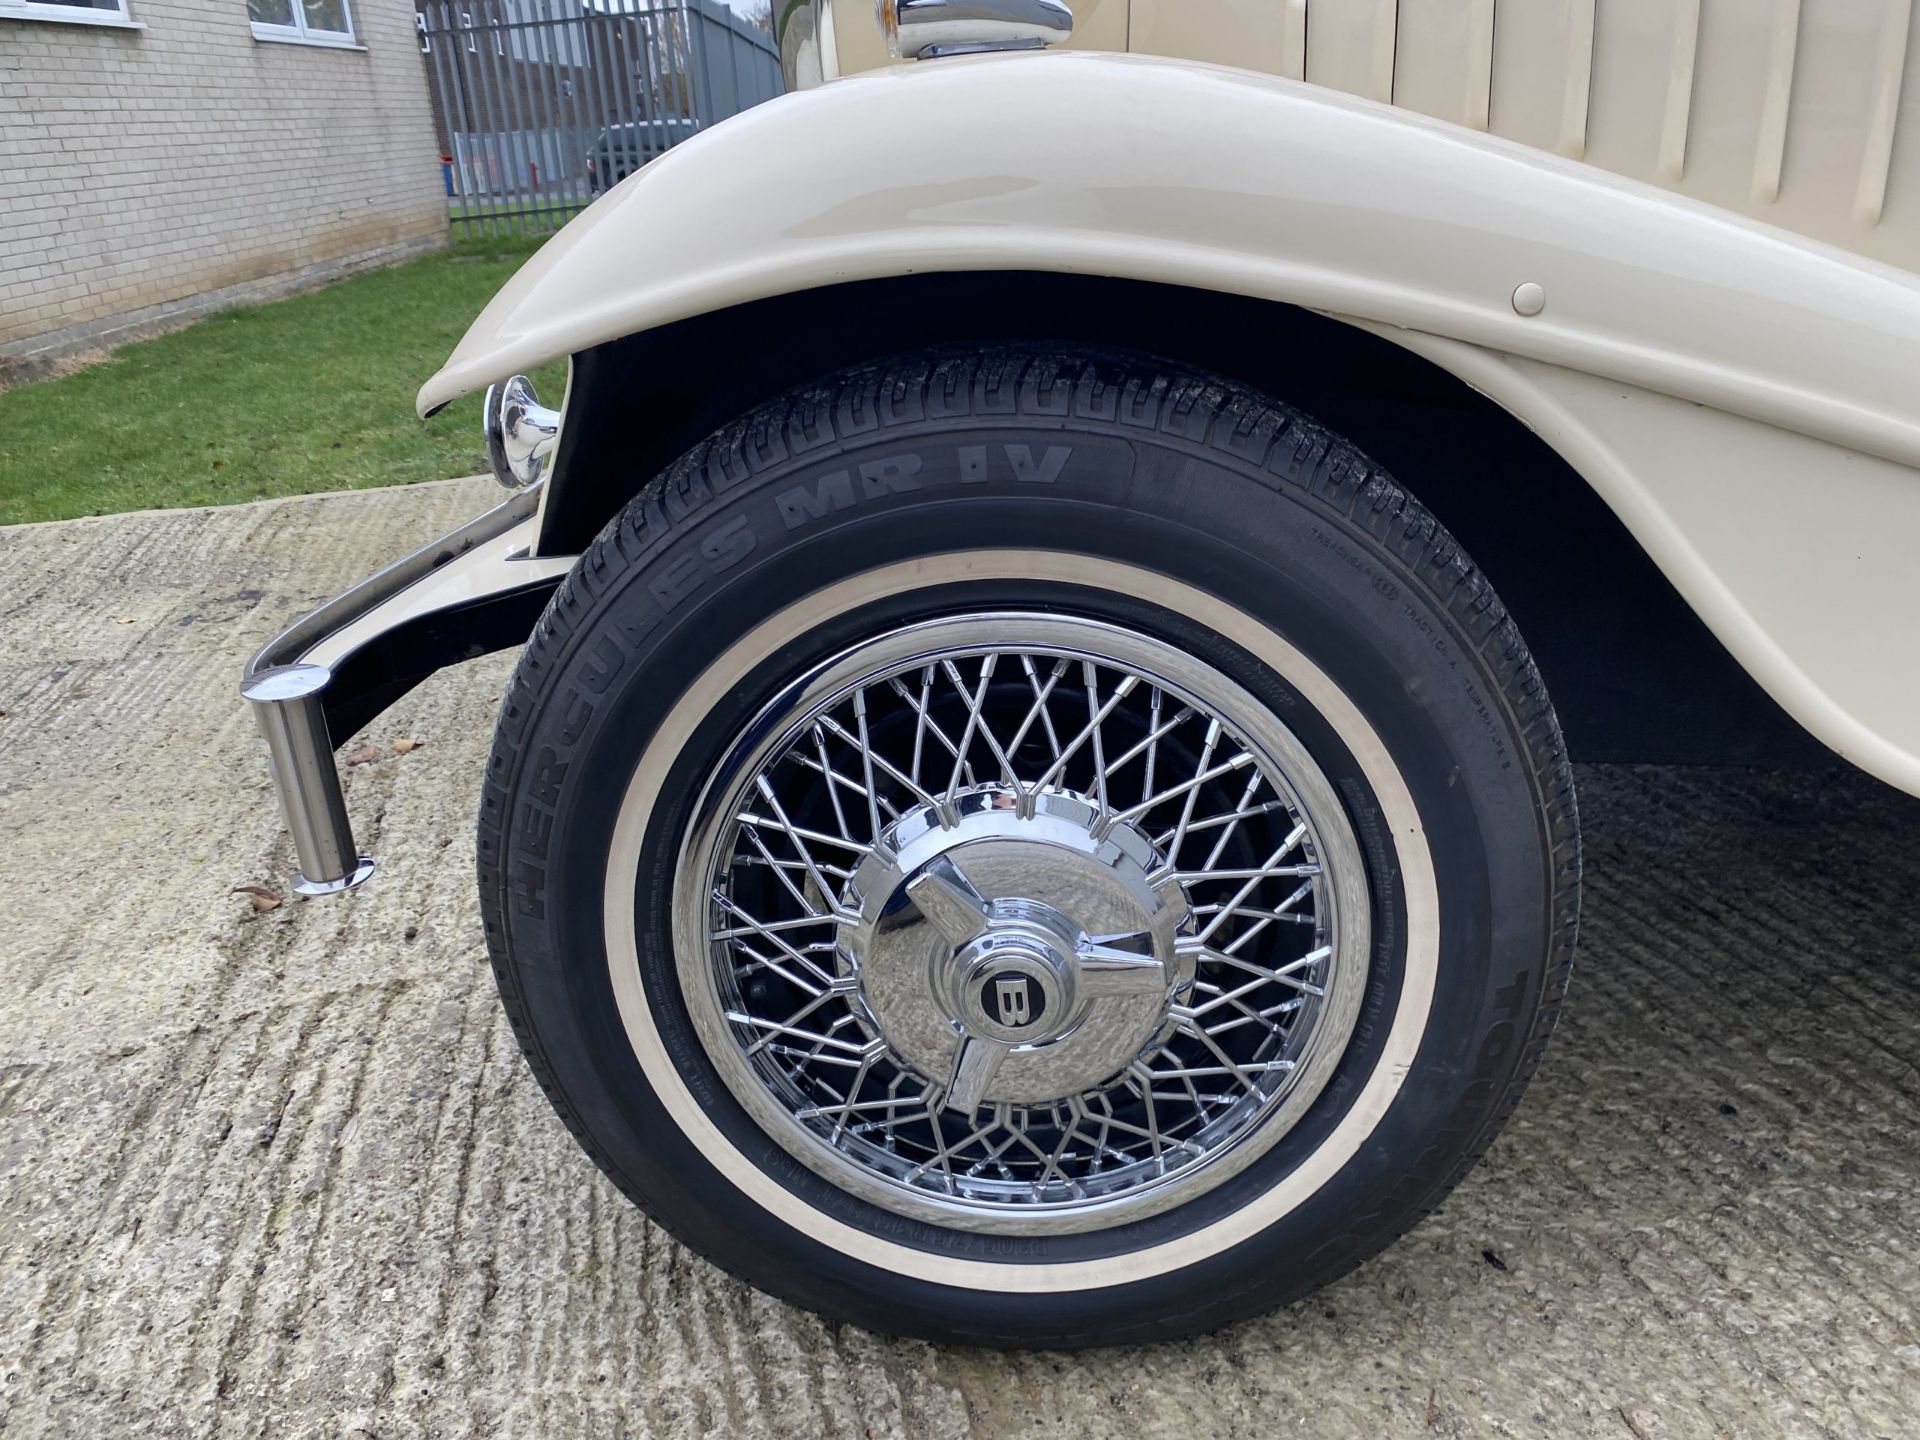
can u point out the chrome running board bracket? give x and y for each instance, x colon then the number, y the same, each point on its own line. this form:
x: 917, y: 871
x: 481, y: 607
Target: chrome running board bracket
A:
x: 472, y: 591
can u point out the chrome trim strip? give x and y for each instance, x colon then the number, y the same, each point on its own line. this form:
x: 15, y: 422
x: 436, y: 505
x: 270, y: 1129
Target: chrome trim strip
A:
x: 287, y: 679
x: 292, y: 643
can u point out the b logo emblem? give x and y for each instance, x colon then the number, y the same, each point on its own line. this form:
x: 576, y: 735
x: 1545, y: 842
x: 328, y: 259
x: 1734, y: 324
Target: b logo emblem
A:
x: 1013, y: 1000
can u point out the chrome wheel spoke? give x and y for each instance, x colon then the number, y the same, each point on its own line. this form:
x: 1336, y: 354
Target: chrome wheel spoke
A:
x: 1020, y: 923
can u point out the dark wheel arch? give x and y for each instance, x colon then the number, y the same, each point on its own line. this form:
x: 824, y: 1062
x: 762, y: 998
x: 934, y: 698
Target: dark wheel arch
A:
x: 1638, y: 677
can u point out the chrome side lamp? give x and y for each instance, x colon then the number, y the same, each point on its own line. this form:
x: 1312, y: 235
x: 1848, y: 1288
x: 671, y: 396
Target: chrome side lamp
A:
x: 927, y: 29
x: 521, y: 432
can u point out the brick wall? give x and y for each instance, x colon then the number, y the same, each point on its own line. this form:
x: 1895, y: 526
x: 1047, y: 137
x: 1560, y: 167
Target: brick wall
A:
x: 149, y: 175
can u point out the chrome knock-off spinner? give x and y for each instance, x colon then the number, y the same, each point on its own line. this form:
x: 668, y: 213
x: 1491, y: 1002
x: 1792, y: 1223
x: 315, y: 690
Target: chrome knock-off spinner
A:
x: 1018, y: 947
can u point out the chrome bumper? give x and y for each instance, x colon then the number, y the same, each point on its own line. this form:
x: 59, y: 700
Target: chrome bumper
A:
x: 476, y: 590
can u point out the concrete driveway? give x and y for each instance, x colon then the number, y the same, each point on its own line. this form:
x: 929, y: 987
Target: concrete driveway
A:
x: 284, y: 1172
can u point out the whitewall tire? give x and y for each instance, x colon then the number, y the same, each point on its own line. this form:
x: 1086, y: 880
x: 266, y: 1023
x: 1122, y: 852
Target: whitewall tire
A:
x: 1028, y: 847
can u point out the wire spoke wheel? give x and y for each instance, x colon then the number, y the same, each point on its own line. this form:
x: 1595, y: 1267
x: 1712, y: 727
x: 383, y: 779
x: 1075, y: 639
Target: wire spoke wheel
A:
x: 1021, y: 923
x: 1028, y: 845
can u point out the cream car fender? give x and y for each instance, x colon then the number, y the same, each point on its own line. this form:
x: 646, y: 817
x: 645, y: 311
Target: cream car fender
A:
x: 1584, y: 303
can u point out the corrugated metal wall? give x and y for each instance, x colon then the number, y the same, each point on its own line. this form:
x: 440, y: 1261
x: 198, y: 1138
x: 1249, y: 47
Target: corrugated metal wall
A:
x: 1793, y: 111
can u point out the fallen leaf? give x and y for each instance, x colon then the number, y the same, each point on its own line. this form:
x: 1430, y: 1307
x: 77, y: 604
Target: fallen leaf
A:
x: 364, y: 755
x: 260, y: 895
x: 401, y: 747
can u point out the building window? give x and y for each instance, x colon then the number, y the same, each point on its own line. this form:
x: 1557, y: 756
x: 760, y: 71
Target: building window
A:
x: 306, y: 22
x: 71, y: 12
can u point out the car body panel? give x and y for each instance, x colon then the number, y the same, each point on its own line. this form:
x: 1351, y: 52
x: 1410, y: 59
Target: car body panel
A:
x: 1800, y: 113
x: 1723, y: 385
x: 1796, y: 553
x: 1298, y: 195
x: 619, y: 150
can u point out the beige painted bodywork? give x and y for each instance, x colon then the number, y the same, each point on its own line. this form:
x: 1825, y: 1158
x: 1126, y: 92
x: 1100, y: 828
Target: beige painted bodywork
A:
x: 1742, y: 398
x: 1802, y: 113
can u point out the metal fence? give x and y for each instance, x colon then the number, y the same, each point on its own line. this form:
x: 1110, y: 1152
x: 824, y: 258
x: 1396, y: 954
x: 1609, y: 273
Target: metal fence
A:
x: 543, y: 104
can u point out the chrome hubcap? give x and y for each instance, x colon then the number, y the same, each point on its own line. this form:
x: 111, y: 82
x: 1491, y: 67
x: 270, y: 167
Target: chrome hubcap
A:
x: 1018, y: 946
x: 1021, y: 923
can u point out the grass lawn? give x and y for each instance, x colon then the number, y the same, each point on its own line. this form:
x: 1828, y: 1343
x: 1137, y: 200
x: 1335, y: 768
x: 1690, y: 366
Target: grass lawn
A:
x: 311, y: 393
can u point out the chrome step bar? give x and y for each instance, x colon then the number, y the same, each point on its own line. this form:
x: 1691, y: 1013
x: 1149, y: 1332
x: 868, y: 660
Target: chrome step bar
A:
x: 291, y: 681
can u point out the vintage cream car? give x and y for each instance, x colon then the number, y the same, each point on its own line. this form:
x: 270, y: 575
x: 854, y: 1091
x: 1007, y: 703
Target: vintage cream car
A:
x: 1031, y: 812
